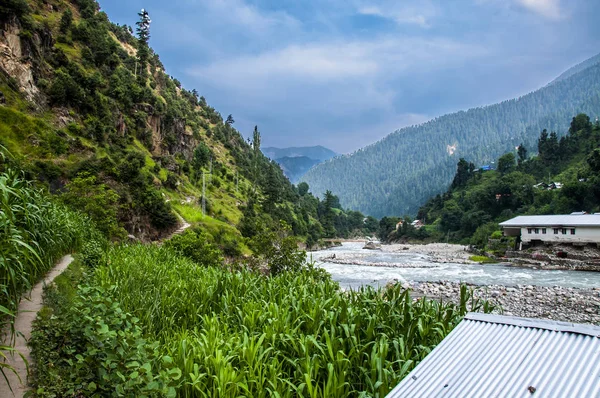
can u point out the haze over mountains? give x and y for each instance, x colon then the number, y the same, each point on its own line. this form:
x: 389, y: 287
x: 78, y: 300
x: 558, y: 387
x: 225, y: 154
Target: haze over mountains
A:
x: 400, y: 172
x: 296, y: 161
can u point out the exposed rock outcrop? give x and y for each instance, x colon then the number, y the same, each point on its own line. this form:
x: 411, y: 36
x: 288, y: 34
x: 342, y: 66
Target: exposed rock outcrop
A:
x: 18, y: 56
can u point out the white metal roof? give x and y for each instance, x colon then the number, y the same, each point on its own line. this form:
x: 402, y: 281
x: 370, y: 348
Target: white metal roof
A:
x: 500, y: 356
x: 555, y: 220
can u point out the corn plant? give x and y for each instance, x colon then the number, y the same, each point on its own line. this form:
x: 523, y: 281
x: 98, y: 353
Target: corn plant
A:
x: 294, y: 334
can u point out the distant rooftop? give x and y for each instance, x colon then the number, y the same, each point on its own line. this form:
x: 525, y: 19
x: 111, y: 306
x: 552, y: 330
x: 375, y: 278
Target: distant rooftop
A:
x: 500, y: 356
x: 554, y: 220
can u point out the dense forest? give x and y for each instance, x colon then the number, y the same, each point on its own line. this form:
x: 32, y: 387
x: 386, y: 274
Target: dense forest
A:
x: 89, y: 111
x: 563, y: 177
x: 400, y: 172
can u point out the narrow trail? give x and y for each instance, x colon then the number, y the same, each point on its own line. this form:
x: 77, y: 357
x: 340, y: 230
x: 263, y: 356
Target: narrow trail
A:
x: 29, y: 306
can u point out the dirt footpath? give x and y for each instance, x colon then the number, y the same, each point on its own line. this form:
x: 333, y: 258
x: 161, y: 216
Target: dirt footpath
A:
x: 29, y: 306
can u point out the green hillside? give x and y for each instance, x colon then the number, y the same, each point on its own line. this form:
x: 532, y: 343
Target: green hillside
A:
x: 564, y: 177
x: 397, y: 174
x: 89, y: 111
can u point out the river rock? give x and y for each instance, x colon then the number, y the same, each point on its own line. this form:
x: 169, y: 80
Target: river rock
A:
x: 580, y: 305
x: 372, y: 246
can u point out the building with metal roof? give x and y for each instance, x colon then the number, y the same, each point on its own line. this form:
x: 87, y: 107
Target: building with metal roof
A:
x: 565, y: 228
x: 500, y: 356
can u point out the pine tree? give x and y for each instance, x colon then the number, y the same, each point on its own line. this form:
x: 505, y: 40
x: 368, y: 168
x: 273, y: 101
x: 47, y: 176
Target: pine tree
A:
x: 143, y: 53
x: 66, y: 21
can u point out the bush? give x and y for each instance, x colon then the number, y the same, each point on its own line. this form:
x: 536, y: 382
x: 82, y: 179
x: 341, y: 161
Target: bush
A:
x: 98, y: 201
x: 91, y: 347
x: 196, y: 246
x: 92, y: 254
x: 278, y: 250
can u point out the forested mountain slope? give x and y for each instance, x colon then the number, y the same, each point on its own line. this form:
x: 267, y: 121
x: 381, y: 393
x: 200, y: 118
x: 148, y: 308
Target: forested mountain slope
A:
x: 400, y: 172
x: 578, y: 68
x: 564, y: 177
x: 314, y: 152
x: 88, y: 111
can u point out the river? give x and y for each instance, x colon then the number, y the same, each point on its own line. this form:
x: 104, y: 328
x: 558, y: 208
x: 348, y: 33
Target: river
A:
x: 419, y: 267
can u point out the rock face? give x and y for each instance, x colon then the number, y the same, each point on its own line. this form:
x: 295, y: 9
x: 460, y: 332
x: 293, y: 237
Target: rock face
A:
x: 16, y: 58
x: 555, y: 303
x: 172, y: 139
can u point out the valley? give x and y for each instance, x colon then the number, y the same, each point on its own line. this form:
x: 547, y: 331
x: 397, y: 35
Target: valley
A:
x: 169, y: 252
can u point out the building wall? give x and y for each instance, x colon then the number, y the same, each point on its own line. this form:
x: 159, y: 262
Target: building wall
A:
x: 582, y: 234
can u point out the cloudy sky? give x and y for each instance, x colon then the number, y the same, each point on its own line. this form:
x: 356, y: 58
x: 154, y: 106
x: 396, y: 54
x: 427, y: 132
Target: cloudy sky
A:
x: 345, y: 73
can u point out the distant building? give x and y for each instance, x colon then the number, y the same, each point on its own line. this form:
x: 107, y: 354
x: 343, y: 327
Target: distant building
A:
x: 566, y: 228
x: 503, y: 356
x: 486, y: 167
x: 417, y: 224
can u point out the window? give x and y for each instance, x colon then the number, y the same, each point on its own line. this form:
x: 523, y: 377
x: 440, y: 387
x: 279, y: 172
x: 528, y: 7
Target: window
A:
x: 529, y: 230
x: 537, y: 230
x: 564, y: 231
x: 572, y: 231
x: 544, y: 231
x: 555, y: 231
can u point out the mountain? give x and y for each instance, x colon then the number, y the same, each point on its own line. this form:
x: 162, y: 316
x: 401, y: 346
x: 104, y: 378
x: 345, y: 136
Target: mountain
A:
x: 313, y: 152
x: 562, y: 178
x: 295, y: 167
x: 578, y: 68
x: 88, y: 112
x: 296, y: 161
x: 397, y: 174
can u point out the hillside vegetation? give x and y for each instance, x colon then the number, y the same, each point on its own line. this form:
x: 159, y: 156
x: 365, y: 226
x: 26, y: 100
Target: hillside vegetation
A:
x: 89, y: 111
x: 563, y: 177
x: 403, y: 170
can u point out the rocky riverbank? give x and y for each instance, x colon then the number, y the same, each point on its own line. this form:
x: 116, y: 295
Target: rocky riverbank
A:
x: 555, y: 303
x: 436, y: 252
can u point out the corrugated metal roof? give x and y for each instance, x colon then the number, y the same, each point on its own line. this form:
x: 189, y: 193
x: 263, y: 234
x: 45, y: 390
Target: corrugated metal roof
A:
x: 556, y: 220
x: 500, y: 356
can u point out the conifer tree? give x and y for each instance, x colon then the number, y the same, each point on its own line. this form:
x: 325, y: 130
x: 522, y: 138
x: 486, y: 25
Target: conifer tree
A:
x: 66, y: 21
x: 143, y: 31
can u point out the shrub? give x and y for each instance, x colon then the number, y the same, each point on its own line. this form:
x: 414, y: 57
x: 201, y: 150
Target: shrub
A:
x: 97, y: 200
x: 93, y: 348
x: 278, y: 250
x: 92, y: 254
x: 196, y: 246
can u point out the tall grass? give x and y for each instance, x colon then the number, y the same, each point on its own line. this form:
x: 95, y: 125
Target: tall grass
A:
x: 35, y: 232
x: 242, y: 334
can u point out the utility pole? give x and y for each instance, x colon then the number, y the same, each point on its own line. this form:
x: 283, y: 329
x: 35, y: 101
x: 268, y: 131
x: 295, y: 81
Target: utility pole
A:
x: 203, y: 195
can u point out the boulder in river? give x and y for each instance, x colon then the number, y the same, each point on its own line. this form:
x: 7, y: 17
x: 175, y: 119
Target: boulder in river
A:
x: 372, y: 246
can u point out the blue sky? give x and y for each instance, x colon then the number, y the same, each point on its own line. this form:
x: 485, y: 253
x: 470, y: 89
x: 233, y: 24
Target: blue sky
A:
x: 345, y: 73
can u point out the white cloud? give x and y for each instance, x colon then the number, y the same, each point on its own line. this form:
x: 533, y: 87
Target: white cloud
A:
x: 237, y: 13
x: 419, y: 15
x: 331, y: 81
x: 339, y: 60
x: 547, y: 8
